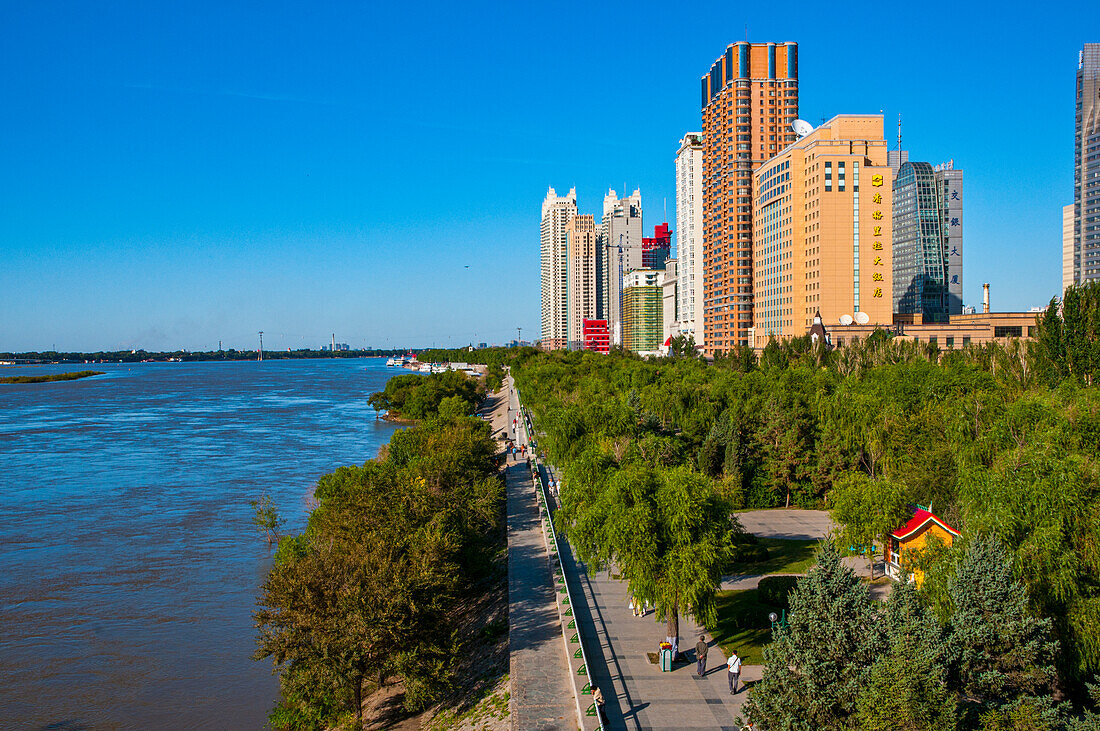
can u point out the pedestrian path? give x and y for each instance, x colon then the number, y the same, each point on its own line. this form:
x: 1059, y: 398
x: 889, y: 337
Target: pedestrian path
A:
x: 638, y: 695
x: 541, y: 694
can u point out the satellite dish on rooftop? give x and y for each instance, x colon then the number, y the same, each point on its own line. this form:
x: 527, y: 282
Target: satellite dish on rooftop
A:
x: 862, y: 318
x: 846, y: 320
x: 801, y: 127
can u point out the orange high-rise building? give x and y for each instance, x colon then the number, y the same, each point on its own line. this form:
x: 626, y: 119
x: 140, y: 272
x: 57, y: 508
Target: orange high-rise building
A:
x: 750, y: 98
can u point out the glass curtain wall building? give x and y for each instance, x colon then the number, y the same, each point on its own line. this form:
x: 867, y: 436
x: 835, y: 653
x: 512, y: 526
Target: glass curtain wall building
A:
x: 928, y: 241
x: 1086, y: 188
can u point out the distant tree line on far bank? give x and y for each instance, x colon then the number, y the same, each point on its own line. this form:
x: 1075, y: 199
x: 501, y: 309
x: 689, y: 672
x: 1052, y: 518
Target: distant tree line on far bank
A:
x: 139, y: 356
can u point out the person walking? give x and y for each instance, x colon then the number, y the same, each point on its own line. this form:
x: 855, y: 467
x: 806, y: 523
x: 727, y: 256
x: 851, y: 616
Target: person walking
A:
x: 733, y: 670
x: 701, y: 656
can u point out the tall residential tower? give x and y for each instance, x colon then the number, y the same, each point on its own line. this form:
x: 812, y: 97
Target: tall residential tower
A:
x: 1086, y: 177
x: 621, y: 252
x: 689, y: 236
x: 749, y: 98
x: 582, y: 302
x: 556, y: 214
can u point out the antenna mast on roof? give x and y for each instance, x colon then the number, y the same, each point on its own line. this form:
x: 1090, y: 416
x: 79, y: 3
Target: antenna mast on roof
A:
x: 899, y: 130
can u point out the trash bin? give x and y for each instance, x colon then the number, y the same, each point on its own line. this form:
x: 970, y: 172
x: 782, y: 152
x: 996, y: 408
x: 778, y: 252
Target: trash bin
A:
x: 666, y: 660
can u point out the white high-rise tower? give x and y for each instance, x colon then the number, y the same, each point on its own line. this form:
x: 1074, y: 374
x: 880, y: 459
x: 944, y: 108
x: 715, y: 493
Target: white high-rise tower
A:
x: 689, y: 236
x: 556, y: 213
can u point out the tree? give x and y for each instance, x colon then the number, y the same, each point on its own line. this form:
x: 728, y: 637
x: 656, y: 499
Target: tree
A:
x: 665, y: 529
x: 683, y: 346
x: 363, y: 595
x: 1002, y: 653
x: 816, y: 668
x: 267, y: 519
x: 867, y: 510
x: 907, y: 687
x: 343, y: 612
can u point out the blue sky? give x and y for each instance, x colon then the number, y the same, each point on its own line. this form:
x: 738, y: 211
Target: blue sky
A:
x: 175, y: 174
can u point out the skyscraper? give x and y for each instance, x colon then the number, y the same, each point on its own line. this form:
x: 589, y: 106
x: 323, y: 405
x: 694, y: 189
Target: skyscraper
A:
x: 621, y: 251
x: 821, y: 230
x: 556, y: 213
x: 582, y: 303
x: 749, y: 99
x: 1086, y: 171
x: 928, y: 224
x: 689, y: 236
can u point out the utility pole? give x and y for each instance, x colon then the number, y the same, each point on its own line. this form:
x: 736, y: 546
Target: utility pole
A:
x: 261, y: 344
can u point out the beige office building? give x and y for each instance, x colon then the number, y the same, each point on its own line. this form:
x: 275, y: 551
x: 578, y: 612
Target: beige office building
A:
x: 822, y: 212
x: 556, y: 213
x: 583, y: 258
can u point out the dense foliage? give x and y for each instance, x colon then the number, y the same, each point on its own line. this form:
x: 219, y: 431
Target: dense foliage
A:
x: 998, y: 439
x: 415, y: 396
x: 364, y: 594
x: 845, y: 661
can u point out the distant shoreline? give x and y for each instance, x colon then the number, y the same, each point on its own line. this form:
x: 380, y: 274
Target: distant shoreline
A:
x: 180, y: 356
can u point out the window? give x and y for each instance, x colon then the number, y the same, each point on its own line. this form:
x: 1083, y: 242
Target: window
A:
x: 966, y: 340
x: 949, y: 342
x: 1008, y: 331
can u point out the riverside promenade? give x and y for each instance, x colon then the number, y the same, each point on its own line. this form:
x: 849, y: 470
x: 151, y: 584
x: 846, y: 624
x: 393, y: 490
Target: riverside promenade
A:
x: 542, y: 695
x: 638, y: 695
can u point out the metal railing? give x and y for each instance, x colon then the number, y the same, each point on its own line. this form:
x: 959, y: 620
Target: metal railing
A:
x: 551, y: 535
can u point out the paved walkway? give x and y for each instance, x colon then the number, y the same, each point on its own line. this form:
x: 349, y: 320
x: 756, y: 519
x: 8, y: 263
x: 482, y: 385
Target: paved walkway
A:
x: 640, y: 696
x: 782, y: 523
x: 541, y: 694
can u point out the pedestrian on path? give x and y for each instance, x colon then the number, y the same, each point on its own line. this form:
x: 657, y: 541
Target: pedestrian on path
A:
x: 597, y: 697
x: 733, y: 669
x: 701, y: 656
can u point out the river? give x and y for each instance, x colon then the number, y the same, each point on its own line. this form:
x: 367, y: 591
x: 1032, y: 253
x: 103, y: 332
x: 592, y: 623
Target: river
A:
x: 130, y: 565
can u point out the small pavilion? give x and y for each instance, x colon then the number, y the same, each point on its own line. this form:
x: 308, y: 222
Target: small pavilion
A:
x: 914, y: 536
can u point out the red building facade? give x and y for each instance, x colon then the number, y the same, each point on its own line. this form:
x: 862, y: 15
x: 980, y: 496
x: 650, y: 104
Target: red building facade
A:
x: 597, y: 336
x: 655, y: 250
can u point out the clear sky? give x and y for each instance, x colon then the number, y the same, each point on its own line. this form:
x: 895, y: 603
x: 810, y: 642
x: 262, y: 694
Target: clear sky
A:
x: 175, y: 174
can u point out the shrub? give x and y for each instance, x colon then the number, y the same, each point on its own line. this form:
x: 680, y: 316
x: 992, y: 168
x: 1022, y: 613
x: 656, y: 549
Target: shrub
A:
x: 775, y: 590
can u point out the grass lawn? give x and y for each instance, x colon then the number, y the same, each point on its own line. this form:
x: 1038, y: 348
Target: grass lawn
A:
x: 785, y: 556
x: 743, y: 625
